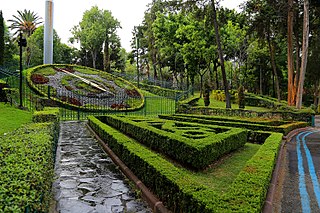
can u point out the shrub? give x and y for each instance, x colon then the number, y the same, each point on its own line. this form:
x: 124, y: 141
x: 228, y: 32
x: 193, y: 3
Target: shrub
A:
x: 179, y: 190
x: 170, y: 141
x: 27, y: 162
x: 48, y: 114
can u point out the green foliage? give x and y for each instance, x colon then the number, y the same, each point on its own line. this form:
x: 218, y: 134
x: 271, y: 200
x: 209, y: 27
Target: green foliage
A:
x: 48, y: 114
x: 278, y: 126
x: 1, y: 39
x: 26, y: 170
x: 97, y: 27
x: 180, y: 189
x: 182, y: 145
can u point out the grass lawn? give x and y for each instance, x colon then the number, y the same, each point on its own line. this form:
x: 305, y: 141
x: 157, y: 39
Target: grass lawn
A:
x: 221, y: 175
x: 221, y: 104
x: 11, y: 118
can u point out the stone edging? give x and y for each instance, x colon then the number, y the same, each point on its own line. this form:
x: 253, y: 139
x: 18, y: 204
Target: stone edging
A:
x: 147, y: 195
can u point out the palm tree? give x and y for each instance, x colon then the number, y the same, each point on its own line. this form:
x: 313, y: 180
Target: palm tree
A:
x: 26, y: 22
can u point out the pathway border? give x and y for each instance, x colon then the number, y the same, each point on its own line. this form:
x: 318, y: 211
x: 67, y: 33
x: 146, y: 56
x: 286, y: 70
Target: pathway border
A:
x: 156, y: 205
x: 269, y: 203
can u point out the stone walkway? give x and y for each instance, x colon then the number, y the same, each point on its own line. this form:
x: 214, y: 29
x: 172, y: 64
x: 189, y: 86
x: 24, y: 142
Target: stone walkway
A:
x: 87, y: 181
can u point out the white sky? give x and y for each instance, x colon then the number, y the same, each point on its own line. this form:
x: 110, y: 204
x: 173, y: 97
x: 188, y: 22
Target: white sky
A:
x: 68, y: 13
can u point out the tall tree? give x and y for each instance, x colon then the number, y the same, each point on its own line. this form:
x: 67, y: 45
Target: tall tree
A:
x: 1, y: 39
x: 304, y: 53
x: 97, y: 28
x: 26, y: 21
x: 291, y: 89
x: 221, y: 55
x: 111, y: 38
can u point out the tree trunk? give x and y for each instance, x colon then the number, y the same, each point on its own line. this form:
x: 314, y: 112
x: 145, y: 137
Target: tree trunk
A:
x: 290, y: 55
x: 261, y: 79
x: 94, y: 58
x: 274, y: 67
x: 106, y: 56
x: 304, y: 57
x: 315, y: 93
x: 154, y: 65
x: 220, y: 51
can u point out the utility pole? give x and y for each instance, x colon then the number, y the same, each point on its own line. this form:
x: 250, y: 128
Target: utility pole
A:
x: 22, y: 43
x: 48, y: 33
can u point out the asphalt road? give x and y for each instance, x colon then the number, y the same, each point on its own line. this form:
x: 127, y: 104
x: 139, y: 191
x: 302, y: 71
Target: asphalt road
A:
x: 298, y: 188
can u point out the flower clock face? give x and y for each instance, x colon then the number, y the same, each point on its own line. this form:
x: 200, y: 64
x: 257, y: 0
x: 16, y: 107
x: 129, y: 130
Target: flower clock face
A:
x: 85, y: 87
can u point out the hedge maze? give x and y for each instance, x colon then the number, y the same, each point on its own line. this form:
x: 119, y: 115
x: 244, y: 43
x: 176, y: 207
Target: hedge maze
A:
x: 180, y: 159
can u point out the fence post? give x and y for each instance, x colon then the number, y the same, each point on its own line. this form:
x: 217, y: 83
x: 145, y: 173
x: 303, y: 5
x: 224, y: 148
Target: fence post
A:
x: 78, y: 111
x: 48, y: 92
x: 145, y: 106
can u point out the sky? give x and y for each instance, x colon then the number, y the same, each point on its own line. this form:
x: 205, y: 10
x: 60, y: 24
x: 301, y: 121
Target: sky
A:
x: 68, y: 13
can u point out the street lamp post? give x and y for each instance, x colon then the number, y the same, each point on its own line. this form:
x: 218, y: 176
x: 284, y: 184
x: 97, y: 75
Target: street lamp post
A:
x: 22, y: 43
x: 137, y: 46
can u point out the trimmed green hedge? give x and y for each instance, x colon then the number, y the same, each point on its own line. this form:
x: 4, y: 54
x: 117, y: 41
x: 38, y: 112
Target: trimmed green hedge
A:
x: 27, y: 163
x: 197, y: 154
x: 48, y: 114
x: 179, y: 191
x: 282, y: 115
x: 285, y: 128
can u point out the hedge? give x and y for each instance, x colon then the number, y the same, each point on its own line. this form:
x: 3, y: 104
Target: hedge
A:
x: 282, y: 115
x: 48, y: 114
x: 197, y: 154
x: 179, y: 191
x: 285, y: 128
x: 27, y: 163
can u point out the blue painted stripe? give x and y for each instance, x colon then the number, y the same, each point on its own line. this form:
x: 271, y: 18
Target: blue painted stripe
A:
x: 304, y: 196
x: 312, y: 172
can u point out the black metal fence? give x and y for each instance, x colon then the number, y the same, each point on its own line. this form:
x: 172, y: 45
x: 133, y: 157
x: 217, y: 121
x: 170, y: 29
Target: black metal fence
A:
x: 75, y: 105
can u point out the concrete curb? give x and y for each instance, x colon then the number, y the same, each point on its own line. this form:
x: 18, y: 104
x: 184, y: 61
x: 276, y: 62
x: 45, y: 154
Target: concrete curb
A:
x: 156, y: 205
x: 268, y: 205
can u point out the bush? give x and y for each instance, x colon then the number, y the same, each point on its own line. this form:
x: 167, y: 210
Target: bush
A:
x: 179, y: 190
x: 27, y: 162
x: 48, y: 114
x: 285, y: 128
x: 168, y: 138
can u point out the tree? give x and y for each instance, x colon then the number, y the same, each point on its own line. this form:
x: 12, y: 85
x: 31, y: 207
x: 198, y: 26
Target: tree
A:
x: 291, y: 89
x: 97, y: 28
x: 62, y: 53
x: 221, y: 56
x: 26, y: 22
x: 267, y: 21
x: 304, y: 54
x: 1, y: 39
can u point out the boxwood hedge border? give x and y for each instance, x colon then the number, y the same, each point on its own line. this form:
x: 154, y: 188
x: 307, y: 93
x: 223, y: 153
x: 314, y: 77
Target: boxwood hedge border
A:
x: 173, y: 186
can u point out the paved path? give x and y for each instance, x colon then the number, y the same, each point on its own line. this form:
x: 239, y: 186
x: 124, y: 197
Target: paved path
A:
x: 298, y: 188
x: 87, y: 180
